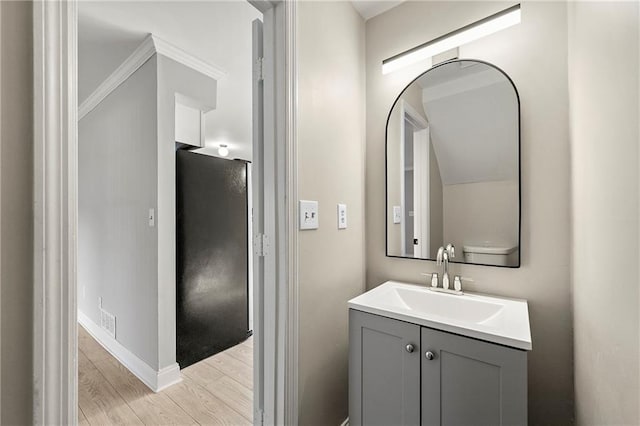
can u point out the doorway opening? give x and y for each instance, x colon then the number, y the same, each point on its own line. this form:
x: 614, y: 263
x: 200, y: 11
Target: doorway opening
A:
x: 58, y: 248
x: 164, y: 211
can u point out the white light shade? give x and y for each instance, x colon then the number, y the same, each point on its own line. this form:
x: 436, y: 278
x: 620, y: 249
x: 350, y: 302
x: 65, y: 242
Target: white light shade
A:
x: 223, y: 151
x: 490, y: 25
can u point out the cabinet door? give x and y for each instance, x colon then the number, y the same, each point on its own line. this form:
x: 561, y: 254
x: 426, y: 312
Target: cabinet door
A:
x: 384, y: 372
x: 471, y: 382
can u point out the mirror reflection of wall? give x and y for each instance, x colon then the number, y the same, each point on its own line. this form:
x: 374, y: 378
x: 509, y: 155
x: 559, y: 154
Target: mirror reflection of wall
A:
x: 453, y: 166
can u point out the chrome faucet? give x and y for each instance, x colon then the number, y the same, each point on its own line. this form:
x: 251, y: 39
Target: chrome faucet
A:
x: 442, y: 258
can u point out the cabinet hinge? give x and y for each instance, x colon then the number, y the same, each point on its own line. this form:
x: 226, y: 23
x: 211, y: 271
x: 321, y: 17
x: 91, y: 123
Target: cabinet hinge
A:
x: 261, y: 245
x: 260, y: 69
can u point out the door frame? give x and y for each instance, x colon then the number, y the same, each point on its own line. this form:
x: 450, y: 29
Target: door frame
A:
x: 421, y: 193
x: 55, y: 345
x: 421, y: 125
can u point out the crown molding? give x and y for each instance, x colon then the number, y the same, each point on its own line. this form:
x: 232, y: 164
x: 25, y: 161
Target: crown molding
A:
x: 151, y: 45
x: 130, y: 65
x: 171, y: 51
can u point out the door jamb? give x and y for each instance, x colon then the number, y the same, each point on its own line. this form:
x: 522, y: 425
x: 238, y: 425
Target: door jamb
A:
x: 408, y: 113
x: 55, y: 213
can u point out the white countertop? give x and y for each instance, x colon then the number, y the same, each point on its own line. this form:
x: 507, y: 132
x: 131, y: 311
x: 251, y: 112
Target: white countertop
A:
x: 498, y: 320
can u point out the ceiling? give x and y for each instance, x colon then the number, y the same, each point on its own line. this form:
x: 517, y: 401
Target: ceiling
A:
x: 216, y: 32
x: 370, y: 8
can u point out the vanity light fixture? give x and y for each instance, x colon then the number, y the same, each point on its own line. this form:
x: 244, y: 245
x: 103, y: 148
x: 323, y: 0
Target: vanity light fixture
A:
x: 223, y: 150
x: 489, y: 25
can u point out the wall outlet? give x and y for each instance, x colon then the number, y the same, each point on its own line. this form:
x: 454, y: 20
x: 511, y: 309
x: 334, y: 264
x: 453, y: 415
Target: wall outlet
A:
x: 342, y: 216
x: 308, y: 214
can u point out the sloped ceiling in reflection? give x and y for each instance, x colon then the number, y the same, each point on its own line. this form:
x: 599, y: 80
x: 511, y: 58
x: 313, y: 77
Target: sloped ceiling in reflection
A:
x: 473, y: 121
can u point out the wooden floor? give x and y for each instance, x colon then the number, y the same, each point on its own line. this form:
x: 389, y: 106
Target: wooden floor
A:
x: 216, y: 391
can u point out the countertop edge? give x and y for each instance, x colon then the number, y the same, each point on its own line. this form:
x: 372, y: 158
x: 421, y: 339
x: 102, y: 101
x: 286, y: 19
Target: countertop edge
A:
x: 490, y: 338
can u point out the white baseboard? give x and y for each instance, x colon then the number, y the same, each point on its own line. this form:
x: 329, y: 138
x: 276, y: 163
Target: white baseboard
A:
x: 155, y: 380
x: 345, y: 423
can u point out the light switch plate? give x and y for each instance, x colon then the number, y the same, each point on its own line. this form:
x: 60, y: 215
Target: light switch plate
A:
x: 152, y: 218
x: 308, y: 214
x: 342, y: 216
x: 397, y: 214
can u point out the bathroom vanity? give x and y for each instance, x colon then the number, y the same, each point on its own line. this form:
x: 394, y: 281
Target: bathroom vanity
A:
x: 434, y: 355
x: 419, y: 357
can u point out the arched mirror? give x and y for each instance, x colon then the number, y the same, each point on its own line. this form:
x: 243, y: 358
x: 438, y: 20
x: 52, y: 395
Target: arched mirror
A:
x: 453, y: 166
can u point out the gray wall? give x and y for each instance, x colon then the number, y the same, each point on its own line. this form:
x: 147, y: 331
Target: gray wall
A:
x: 16, y: 213
x: 604, y: 95
x: 534, y: 54
x: 331, y: 133
x: 117, y: 185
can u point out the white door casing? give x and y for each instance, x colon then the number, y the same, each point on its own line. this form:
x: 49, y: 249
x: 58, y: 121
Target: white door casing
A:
x: 420, y: 180
x: 421, y: 212
x: 259, y: 239
x: 55, y: 213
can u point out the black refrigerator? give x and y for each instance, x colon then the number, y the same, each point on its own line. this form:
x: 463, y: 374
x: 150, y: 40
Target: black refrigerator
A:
x: 212, y: 251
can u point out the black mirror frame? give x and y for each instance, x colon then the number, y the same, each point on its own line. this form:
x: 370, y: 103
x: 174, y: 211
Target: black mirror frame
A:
x: 386, y: 180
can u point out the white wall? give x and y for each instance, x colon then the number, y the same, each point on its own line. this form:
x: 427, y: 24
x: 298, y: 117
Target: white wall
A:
x: 604, y: 94
x: 485, y: 148
x: 436, y: 219
x: 331, y: 136
x: 482, y: 212
x: 218, y: 32
x: 117, y: 185
x: 534, y: 54
x: 102, y: 47
x: 16, y: 212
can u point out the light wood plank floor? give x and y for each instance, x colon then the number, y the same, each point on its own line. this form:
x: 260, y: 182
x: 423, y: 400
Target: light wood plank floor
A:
x: 216, y: 391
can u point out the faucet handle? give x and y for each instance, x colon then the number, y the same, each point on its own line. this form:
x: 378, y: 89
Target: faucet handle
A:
x: 451, y: 249
x: 434, y: 278
x: 457, y: 282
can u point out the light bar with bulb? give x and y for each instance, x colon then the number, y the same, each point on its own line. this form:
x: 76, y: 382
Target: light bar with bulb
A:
x: 489, y: 25
x: 223, y: 150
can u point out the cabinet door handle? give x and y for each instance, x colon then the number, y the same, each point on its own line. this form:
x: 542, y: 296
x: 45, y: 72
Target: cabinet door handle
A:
x: 410, y: 348
x: 429, y: 355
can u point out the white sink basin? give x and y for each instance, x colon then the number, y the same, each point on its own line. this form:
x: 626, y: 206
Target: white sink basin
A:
x: 494, y: 319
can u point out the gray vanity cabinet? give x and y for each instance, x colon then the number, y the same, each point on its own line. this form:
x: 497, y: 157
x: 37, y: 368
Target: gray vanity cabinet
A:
x: 441, y: 379
x: 471, y: 382
x: 384, y: 371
